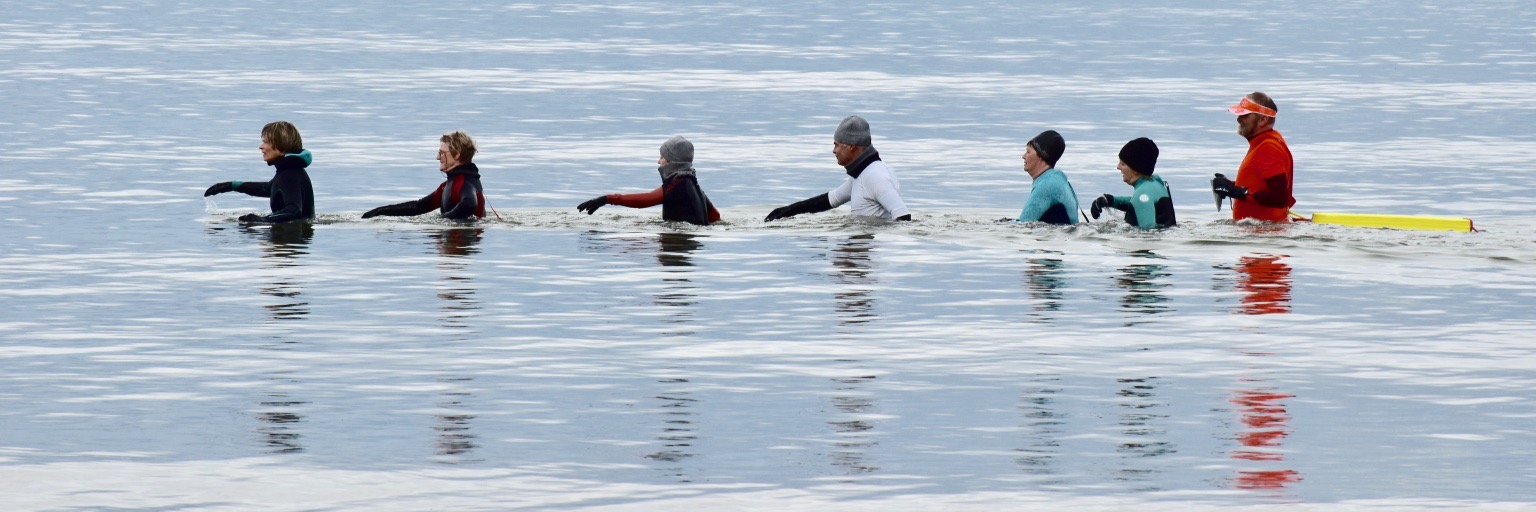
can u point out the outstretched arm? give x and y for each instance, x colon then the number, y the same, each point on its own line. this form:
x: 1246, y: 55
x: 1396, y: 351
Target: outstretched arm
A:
x: 253, y: 188
x: 819, y: 203
x: 408, y: 208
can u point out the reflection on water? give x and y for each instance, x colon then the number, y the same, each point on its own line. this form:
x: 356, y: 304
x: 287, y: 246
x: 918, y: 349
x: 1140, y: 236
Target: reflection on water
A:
x: 278, y: 414
x: 853, y: 270
x: 452, y: 423
x: 457, y: 285
x: 1044, y: 424
x: 456, y: 442
x: 1143, y: 425
x: 1265, y: 281
x: 678, y: 291
x: 1044, y: 278
x: 283, y: 245
x: 854, y: 433
x: 278, y: 419
x: 677, y: 427
x: 1142, y: 281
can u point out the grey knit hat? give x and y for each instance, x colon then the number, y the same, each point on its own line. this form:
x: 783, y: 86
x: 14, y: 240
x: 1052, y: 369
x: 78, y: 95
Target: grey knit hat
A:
x: 854, y: 131
x: 677, y: 149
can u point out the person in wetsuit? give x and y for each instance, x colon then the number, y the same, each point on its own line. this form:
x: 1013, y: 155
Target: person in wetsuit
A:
x: 1263, y: 187
x: 679, y: 195
x: 871, y: 189
x: 459, y: 197
x: 1150, y: 205
x: 1051, y: 198
x: 290, y: 194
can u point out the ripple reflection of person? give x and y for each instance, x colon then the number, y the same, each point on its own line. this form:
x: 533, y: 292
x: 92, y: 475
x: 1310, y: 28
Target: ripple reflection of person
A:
x: 853, y: 270
x: 854, y: 430
x: 678, y: 291
x: 1143, y: 423
x: 678, y: 432
x: 452, y: 421
x: 674, y: 252
x: 1044, y: 278
x: 1265, y: 281
x: 1142, y: 281
x: 278, y: 413
x: 1044, y: 425
x: 283, y: 245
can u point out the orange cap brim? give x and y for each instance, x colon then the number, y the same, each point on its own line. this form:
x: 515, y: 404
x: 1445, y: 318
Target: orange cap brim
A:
x: 1247, y: 106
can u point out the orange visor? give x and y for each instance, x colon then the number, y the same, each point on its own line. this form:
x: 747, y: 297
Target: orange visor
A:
x: 1247, y: 106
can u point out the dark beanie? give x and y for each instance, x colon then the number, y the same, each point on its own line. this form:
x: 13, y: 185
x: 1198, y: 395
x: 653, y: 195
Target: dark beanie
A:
x: 1049, y: 145
x: 1140, y: 155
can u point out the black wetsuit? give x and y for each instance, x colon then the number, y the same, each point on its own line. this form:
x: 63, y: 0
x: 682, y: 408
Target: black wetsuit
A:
x: 683, y: 200
x: 679, y: 195
x: 292, y: 196
x: 458, y: 197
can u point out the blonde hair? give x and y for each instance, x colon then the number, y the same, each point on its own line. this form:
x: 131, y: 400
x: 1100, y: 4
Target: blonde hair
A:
x: 460, y: 145
x: 283, y: 136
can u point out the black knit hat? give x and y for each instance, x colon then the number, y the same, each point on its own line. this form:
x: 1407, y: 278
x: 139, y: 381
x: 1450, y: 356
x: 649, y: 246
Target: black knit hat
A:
x: 1140, y: 155
x: 1049, y: 145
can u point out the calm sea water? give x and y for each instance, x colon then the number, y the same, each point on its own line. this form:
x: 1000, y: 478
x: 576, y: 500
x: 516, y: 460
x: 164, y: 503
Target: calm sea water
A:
x: 155, y: 355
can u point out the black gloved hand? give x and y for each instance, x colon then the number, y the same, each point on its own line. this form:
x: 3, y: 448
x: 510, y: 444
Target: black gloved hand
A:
x: 905, y: 218
x: 1100, y: 203
x: 814, y: 204
x: 250, y: 218
x: 778, y: 213
x: 219, y: 188
x: 1222, y: 186
x: 374, y: 212
x: 591, y: 205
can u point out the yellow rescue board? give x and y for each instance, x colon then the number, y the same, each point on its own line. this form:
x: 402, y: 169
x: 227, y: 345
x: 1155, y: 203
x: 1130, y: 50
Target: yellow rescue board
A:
x: 1371, y: 220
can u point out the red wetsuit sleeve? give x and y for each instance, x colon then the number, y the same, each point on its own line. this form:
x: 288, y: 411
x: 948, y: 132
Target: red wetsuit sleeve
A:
x: 641, y: 200
x: 714, y: 215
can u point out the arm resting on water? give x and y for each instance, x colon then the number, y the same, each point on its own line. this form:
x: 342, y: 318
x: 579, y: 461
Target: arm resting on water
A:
x: 640, y: 200
x: 408, y: 208
x: 815, y: 204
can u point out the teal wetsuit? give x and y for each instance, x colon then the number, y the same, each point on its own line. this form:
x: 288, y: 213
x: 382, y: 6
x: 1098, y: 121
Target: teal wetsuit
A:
x: 1150, y: 205
x: 1051, y: 200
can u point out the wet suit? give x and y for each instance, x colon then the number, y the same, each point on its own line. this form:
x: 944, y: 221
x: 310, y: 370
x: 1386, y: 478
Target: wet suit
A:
x: 679, y: 195
x: 871, y: 190
x: 1150, y: 205
x: 458, y: 197
x: 1051, y: 200
x: 1263, y: 187
x: 291, y: 195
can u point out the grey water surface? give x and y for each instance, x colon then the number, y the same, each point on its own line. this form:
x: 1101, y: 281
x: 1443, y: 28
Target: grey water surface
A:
x: 157, y: 355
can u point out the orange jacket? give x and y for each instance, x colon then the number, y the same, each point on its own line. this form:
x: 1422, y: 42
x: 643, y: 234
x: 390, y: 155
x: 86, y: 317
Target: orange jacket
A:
x: 1267, y: 173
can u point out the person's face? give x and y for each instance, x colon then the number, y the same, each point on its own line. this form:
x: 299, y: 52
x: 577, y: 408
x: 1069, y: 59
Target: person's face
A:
x: 1249, y: 125
x: 1128, y: 175
x: 845, y: 153
x: 661, y: 160
x: 269, y: 153
x: 445, y: 160
x: 1032, y: 161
